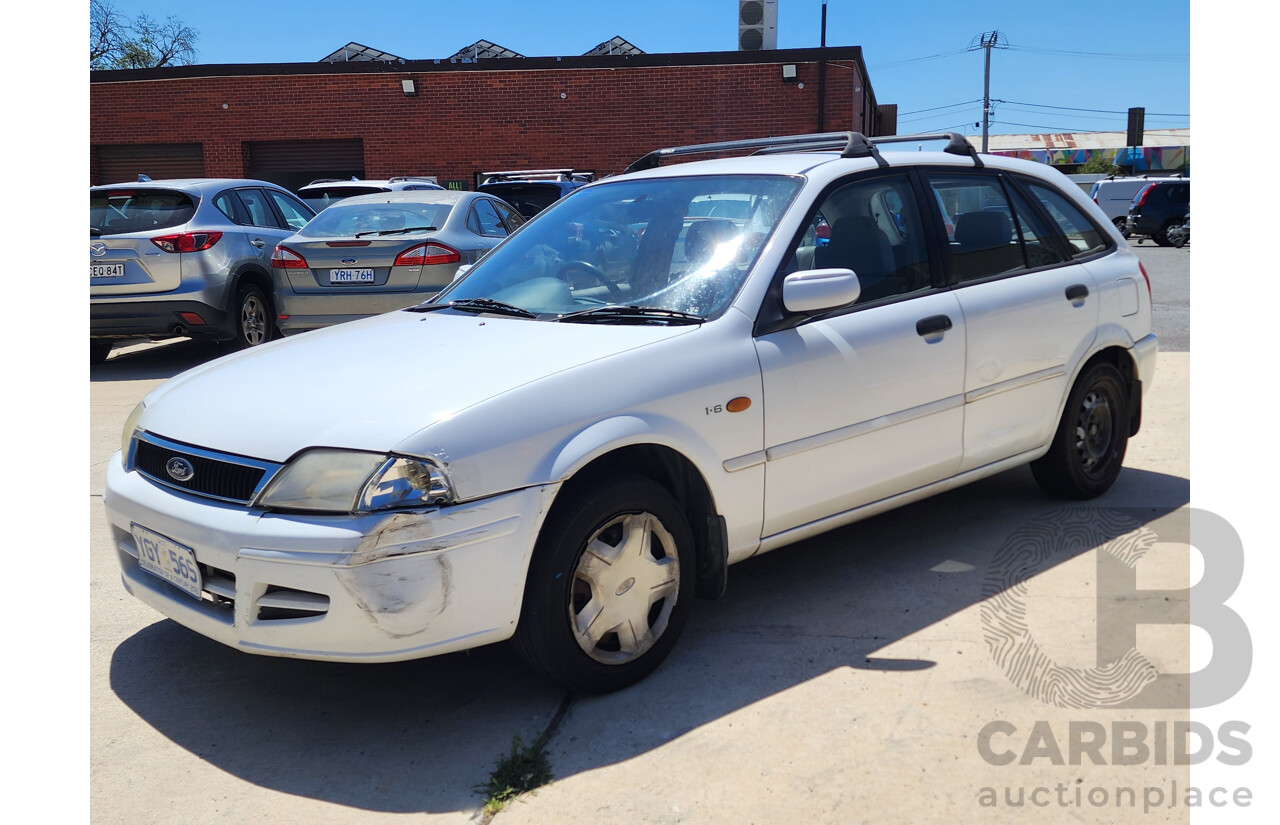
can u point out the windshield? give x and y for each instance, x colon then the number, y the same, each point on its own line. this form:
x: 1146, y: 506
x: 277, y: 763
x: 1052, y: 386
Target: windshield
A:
x: 347, y: 220
x: 647, y: 243
x: 117, y: 211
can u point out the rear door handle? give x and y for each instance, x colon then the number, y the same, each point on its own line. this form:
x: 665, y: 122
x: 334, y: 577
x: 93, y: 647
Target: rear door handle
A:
x: 258, y: 242
x: 932, y: 324
x: 1075, y: 292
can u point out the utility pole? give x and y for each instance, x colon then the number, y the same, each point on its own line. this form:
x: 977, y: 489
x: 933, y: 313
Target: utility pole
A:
x: 989, y: 40
x: 822, y: 72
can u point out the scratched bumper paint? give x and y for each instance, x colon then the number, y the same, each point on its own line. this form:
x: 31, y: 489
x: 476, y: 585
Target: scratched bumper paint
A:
x: 371, y: 588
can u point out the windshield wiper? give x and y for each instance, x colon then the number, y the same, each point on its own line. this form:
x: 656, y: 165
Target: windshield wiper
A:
x: 490, y: 305
x: 381, y: 232
x: 620, y: 312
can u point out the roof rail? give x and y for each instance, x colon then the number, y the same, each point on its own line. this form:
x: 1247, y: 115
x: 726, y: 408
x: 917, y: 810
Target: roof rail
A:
x: 323, y: 180
x: 850, y: 144
x: 398, y: 178
x: 537, y: 174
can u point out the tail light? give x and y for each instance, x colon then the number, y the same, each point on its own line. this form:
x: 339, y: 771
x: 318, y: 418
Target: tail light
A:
x: 285, y: 258
x: 428, y: 253
x: 187, y: 241
x: 1143, y: 195
x: 1147, y: 278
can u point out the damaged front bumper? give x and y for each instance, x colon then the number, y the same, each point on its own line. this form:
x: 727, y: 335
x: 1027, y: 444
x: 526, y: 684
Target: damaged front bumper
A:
x: 369, y: 588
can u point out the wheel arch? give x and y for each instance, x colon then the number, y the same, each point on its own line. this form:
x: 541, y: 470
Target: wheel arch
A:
x: 626, y: 445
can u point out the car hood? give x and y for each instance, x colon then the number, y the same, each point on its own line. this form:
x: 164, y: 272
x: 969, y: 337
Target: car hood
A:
x: 371, y: 384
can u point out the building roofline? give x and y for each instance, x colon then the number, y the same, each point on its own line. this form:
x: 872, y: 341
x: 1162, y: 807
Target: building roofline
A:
x: 489, y: 64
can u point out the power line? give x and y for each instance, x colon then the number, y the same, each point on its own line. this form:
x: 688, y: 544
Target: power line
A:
x: 1103, y: 55
x: 909, y: 60
x: 948, y: 106
x: 1074, y: 109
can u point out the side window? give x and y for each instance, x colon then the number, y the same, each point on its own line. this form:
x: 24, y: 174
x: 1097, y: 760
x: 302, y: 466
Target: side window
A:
x: 229, y: 204
x: 259, y: 210
x: 295, y: 214
x: 487, y: 218
x: 509, y: 217
x: 1180, y: 194
x: 987, y: 239
x: 1080, y: 232
x: 873, y: 227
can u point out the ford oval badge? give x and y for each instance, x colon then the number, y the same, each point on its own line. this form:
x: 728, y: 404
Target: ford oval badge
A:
x: 179, y: 469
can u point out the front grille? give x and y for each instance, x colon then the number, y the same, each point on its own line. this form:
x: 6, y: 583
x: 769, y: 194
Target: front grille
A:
x: 228, y: 478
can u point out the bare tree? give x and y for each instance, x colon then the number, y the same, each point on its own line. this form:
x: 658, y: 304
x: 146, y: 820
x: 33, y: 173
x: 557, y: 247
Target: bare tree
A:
x: 144, y: 43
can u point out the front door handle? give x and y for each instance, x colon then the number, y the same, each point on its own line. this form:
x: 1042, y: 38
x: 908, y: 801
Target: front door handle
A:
x: 932, y: 324
x: 1077, y: 292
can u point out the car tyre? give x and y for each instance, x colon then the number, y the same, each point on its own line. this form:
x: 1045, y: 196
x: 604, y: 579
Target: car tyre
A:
x: 98, y: 351
x: 1161, y: 237
x: 610, y: 585
x: 253, y: 318
x: 1089, y: 446
x: 1123, y: 225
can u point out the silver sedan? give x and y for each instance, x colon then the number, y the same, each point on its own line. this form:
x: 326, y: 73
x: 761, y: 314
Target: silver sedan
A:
x: 372, y: 254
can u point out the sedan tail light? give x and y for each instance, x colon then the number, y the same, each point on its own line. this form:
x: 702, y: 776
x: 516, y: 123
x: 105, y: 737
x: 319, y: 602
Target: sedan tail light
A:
x: 428, y: 253
x: 285, y: 258
x: 187, y: 241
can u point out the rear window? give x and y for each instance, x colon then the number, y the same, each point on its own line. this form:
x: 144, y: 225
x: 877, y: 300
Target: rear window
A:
x: 350, y: 220
x: 119, y: 211
x: 318, y: 197
x: 528, y: 198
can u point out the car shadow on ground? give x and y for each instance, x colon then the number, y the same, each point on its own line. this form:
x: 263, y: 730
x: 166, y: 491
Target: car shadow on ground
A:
x: 158, y: 360
x: 429, y: 732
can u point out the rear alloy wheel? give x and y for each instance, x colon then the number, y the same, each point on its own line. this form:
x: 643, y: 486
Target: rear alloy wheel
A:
x: 1089, y: 446
x: 253, y: 318
x: 1162, y: 234
x: 609, y: 588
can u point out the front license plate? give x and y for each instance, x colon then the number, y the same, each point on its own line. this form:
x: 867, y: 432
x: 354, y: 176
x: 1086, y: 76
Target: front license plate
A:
x: 167, y: 559
x: 106, y: 270
x: 350, y: 276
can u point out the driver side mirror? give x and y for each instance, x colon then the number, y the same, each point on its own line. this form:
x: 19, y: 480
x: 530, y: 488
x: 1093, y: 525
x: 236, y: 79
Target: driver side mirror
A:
x: 818, y: 290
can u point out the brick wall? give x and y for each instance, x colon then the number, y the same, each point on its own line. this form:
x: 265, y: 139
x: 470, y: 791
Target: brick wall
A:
x: 472, y: 118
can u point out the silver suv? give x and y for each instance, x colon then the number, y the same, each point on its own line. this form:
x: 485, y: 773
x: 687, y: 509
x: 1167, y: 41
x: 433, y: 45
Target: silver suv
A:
x: 321, y: 193
x: 170, y: 258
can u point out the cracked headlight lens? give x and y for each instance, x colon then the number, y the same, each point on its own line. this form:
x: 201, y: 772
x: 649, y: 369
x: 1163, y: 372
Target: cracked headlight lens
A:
x: 345, y: 481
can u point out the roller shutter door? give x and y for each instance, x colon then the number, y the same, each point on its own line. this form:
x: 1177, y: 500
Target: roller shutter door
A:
x: 295, y: 163
x: 158, y: 161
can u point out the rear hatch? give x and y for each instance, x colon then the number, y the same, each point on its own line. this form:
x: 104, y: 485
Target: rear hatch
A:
x: 131, y: 232
x: 528, y: 198
x: 361, y: 264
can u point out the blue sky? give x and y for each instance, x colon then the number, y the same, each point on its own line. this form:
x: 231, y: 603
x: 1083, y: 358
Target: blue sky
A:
x: 1064, y: 58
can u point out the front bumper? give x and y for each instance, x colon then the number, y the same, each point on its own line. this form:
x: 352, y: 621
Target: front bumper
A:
x: 372, y: 588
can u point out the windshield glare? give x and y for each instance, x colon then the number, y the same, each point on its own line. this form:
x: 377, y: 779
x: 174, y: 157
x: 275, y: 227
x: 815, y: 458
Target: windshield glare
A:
x: 655, y: 243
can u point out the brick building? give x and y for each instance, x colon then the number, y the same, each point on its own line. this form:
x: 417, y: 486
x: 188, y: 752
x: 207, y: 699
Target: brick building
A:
x: 456, y: 118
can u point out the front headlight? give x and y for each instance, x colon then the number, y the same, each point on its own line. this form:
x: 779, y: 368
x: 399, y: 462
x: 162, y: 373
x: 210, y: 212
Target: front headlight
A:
x: 126, y: 435
x: 345, y: 481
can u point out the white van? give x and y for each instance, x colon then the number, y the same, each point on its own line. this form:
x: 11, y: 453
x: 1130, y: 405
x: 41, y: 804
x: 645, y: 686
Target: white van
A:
x: 1115, y: 194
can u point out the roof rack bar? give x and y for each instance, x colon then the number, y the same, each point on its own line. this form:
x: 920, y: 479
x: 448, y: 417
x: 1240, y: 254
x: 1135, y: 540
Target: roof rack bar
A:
x: 850, y: 144
x: 956, y: 144
x: 651, y: 160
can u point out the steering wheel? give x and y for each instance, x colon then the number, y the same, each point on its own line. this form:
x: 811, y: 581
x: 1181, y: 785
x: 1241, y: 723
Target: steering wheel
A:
x: 594, y: 271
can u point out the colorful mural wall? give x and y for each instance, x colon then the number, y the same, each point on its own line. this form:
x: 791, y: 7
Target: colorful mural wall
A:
x: 1141, y: 158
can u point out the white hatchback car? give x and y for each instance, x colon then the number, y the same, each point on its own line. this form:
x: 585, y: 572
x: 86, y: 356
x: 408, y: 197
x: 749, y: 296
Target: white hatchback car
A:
x: 565, y: 457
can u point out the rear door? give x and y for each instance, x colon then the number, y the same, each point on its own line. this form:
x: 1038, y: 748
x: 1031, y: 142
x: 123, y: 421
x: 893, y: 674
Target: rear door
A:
x: 1030, y: 312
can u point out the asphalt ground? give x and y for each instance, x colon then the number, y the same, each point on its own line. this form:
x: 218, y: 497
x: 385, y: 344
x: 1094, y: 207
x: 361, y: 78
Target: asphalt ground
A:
x: 847, y: 678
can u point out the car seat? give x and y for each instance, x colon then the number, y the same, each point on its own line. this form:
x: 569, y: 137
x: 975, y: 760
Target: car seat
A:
x: 983, y: 245
x: 859, y: 244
